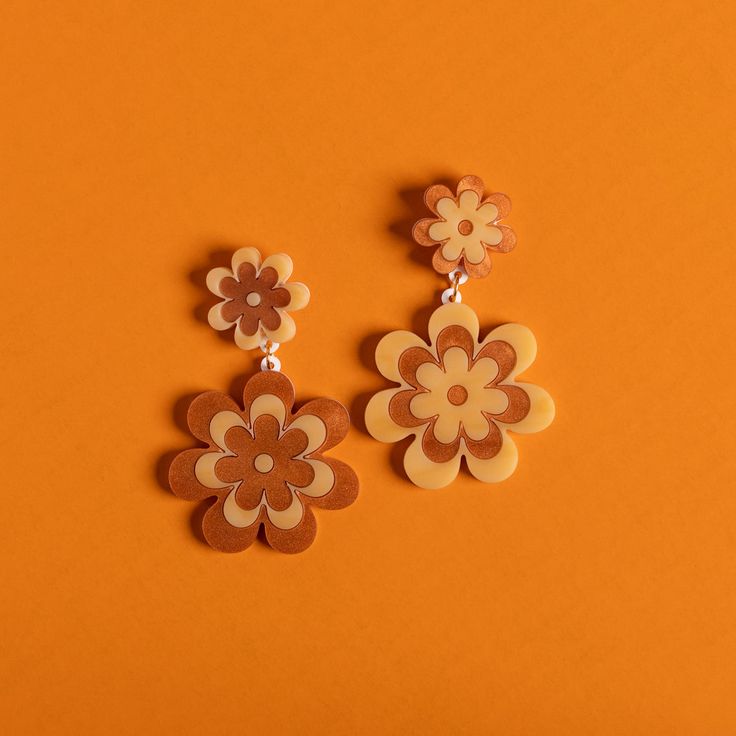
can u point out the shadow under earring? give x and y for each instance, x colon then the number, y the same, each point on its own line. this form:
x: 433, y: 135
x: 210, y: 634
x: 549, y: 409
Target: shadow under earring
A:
x: 458, y: 394
x: 263, y: 463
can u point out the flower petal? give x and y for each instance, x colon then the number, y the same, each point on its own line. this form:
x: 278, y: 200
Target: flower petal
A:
x: 479, y: 270
x: 215, y: 318
x: 453, y: 314
x: 215, y: 276
x: 299, y: 294
x: 284, y: 332
x: 378, y: 420
x: 425, y: 473
x: 490, y: 235
x: 245, y: 341
x: 486, y: 214
x: 333, y: 417
x: 222, y: 535
x: 344, y: 488
x: 202, y: 410
x: 501, y: 202
x: 182, y: 479
x: 453, y: 248
x: 281, y: 263
x: 448, y: 209
x: 441, y: 230
x: 295, y: 539
x: 271, y: 384
x: 541, y: 410
x: 496, y: 468
x: 434, y: 194
x: 420, y: 231
x: 507, y: 242
x: 442, y: 264
x: 390, y: 349
x: 524, y: 345
x: 246, y: 255
x: 472, y: 183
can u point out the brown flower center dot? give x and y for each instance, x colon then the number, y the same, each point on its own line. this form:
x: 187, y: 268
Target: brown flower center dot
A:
x: 253, y: 299
x: 457, y: 395
x: 465, y: 227
x: 263, y: 463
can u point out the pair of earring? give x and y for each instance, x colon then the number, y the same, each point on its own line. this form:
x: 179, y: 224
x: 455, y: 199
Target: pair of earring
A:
x: 265, y: 463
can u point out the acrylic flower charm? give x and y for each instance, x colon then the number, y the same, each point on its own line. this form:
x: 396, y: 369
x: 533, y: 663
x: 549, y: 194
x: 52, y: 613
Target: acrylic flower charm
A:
x: 257, y: 299
x: 458, y: 396
x: 466, y: 227
x: 264, y: 464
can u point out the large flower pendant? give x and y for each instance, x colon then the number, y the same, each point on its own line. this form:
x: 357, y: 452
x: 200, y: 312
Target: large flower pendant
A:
x: 458, y: 396
x: 264, y: 464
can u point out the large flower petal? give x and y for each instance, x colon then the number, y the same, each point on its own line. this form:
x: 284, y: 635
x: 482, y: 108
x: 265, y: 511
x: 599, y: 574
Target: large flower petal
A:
x: 203, y: 409
x: 420, y: 231
x: 425, y: 473
x: 182, y: 479
x: 284, y: 332
x: 335, y: 422
x: 541, y: 410
x: 215, y: 278
x: 434, y: 194
x: 295, y: 539
x: 453, y: 314
x: 246, y: 255
x: 224, y: 536
x: 344, y: 484
x: 524, y: 345
x: 390, y: 349
x: 282, y: 264
x: 299, y: 294
x: 378, y: 419
x: 496, y: 468
x: 216, y: 319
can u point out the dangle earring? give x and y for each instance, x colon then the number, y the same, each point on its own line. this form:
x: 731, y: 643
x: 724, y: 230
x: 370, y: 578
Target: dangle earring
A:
x: 458, y: 395
x: 263, y: 462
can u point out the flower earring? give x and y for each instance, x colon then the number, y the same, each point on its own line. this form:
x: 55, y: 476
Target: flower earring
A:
x: 263, y: 462
x: 458, y: 395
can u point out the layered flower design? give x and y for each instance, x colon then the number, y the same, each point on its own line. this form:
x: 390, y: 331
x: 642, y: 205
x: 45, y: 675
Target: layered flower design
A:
x: 466, y: 227
x: 257, y: 298
x: 264, y: 464
x: 458, y: 396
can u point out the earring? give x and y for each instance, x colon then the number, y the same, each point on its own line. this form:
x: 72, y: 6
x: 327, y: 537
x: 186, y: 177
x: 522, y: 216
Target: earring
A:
x: 458, y: 395
x: 263, y: 462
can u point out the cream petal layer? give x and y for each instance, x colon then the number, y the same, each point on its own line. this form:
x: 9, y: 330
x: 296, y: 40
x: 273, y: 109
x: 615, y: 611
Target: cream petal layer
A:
x: 215, y: 277
x: 425, y: 473
x: 281, y: 263
x: 497, y: 468
x: 323, y: 482
x: 284, y: 332
x: 389, y: 350
x: 246, y: 255
x: 378, y: 421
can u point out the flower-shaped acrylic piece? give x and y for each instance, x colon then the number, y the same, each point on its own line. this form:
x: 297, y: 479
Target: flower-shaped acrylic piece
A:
x: 458, y: 396
x: 264, y: 464
x: 466, y: 227
x: 257, y: 299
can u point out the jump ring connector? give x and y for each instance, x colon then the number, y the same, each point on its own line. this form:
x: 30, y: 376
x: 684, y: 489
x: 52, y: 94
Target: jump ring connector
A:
x: 270, y: 362
x: 452, y: 295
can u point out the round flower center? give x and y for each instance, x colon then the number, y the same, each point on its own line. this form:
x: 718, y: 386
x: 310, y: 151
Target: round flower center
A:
x: 253, y: 299
x: 263, y: 463
x: 465, y: 227
x: 457, y: 395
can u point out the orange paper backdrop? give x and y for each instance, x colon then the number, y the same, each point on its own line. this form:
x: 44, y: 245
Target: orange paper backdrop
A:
x: 593, y: 592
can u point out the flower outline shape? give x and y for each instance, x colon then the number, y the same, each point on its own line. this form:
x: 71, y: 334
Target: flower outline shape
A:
x: 458, y: 396
x: 264, y: 464
x: 465, y: 227
x: 256, y: 298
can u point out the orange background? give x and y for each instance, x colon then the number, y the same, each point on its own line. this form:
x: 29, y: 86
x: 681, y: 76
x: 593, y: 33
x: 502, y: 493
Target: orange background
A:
x: 593, y: 592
